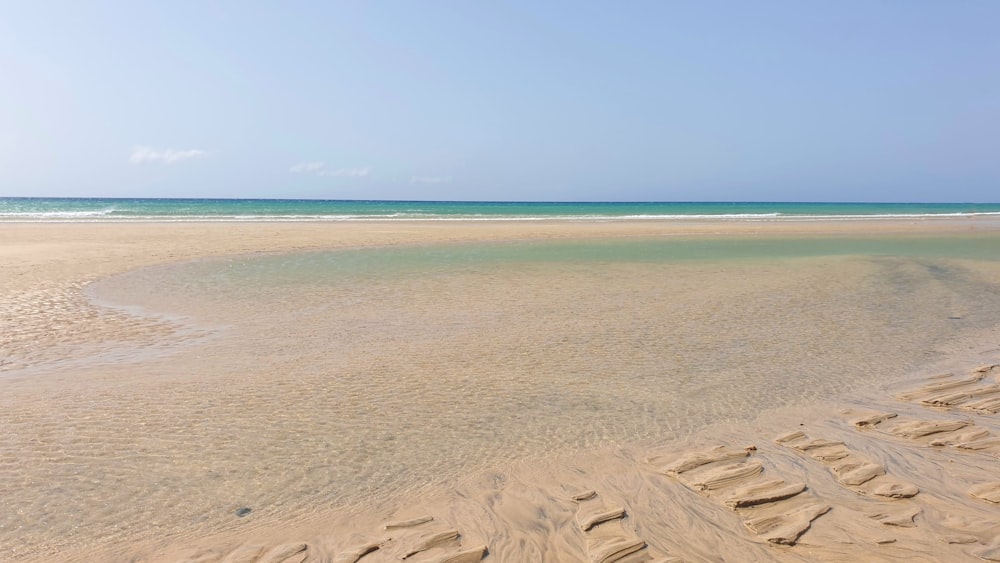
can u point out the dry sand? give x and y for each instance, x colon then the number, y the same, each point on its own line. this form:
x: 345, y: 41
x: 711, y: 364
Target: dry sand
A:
x: 909, y: 473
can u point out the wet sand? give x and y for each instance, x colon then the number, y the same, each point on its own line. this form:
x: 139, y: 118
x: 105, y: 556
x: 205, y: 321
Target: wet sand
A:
x: 895, y: 471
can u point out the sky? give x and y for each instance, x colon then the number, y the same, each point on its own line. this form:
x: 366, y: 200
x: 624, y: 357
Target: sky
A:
x: 457, y: 100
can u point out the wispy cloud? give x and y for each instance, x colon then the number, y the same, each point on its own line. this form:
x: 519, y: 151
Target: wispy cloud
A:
x: 320, y: 169
x: 142, y: 155
x: 430, y: 179
x: 346, y: 172
x: 304, y: 167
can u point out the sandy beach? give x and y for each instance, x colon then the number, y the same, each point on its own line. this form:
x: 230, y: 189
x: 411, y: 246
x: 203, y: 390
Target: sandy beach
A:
x: 117, y: 424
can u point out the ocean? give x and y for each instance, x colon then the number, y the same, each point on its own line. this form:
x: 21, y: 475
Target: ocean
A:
x: 130, y: 209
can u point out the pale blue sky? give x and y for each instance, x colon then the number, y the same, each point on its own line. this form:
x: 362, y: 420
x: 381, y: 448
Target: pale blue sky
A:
x: 756, y: 101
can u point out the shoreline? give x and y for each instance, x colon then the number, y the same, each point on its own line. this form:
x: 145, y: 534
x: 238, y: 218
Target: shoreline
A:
x: 57, y: 260
x: 263, y: 210
x: 30, y: 245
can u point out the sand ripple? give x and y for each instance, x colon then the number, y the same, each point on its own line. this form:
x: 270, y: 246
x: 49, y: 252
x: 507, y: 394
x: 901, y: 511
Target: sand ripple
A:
x: 475, y: 396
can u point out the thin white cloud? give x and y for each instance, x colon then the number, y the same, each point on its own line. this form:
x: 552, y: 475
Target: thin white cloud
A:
x: 430, y: 179
x: 320, y: 169
x: 346, y: 172
x: 142, y: 155
x: 304, y: 167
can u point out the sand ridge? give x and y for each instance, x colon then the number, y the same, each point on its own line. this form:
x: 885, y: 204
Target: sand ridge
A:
x: 859, y: 494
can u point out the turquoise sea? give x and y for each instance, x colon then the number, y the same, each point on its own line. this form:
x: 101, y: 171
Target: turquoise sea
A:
x: 121, y: 210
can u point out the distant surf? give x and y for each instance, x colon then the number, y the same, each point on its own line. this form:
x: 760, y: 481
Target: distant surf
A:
x: 215, y: 210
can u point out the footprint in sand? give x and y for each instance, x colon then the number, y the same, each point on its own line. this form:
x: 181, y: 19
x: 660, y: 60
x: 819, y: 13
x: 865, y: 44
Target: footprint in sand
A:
x: 415, y: 540
x: 607, y: 539
x: 978, y: 393
x: 775, y: 510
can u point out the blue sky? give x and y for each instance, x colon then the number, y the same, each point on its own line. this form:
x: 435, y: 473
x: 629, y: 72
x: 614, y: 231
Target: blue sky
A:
x: 706, y: 101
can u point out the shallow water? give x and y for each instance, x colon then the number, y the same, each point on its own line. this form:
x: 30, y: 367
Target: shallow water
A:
x: 350, y: 378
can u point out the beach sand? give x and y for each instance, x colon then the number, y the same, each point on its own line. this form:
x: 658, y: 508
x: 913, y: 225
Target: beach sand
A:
x: 904, y: 468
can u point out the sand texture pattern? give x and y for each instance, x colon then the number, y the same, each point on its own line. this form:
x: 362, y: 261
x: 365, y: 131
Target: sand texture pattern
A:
x: 210, y: 392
